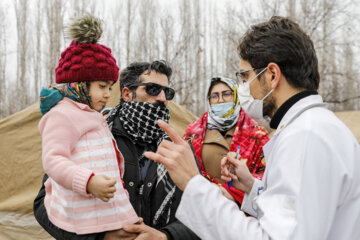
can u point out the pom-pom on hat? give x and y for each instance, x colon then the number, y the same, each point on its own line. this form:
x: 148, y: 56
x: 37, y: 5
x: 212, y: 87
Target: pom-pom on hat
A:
x: 85, y: 59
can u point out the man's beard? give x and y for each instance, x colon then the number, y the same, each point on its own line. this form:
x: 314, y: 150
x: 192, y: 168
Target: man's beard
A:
x: 269, y: 107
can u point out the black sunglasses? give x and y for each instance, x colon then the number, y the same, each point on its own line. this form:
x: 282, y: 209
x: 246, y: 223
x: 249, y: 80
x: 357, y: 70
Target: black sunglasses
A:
x: 154, y: 89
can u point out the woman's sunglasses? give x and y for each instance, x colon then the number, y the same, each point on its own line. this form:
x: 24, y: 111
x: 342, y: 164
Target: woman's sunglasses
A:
x: 154, y: 89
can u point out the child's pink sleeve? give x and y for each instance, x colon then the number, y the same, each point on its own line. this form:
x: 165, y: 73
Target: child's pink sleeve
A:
x: 59, y: 137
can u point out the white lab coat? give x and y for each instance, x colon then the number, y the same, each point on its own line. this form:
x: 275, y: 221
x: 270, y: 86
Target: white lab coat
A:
x: 310, y: 189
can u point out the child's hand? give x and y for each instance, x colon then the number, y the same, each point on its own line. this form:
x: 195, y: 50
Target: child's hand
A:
x: 242, y: 178
x: 102, y: 187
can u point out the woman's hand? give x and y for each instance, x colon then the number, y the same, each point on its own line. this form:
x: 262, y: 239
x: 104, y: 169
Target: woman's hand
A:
x: 237, y: 171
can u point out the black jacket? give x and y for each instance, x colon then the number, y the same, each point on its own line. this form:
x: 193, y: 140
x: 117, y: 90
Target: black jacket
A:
x: 143, y: 195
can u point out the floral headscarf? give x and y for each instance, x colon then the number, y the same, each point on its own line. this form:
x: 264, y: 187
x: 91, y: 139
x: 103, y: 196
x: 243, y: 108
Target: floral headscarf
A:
x: 76, y: 91
x: 229, y: 119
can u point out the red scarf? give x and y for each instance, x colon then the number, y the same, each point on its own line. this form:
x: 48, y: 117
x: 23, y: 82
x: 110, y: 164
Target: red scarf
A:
x: 248, y: 134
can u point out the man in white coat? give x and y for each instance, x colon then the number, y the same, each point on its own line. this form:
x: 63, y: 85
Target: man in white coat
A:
x: 311, y: 185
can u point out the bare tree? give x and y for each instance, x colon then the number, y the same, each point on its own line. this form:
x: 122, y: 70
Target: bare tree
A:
x: 325, y: 44
x: 175, y: 44
x: 153, y: 33
x: 78, y: 7
x: 143, y: 40
x: 3, y: 62
x: 205, y: 76
x: 129, y: 21
x: 211, y: 38
x: 323, y: 21
x: 37, y: 58
x: 115, y: 38
x: 166, y: 24
x: 81, y: 7
x: 54, y: 20
x: 198, y: 38
x: 231, y: 37
x: 198, y: 56
x: 292, y: 9
x: 332, y: 79
x: 21, y: 12
x: 184, y: 74
x: 349, y: 79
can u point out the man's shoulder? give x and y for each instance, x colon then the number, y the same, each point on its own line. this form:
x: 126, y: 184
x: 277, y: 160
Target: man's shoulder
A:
x: 318, y: 125
x: 320, y: 119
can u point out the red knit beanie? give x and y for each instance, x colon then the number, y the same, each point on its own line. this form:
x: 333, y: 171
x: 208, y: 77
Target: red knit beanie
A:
x: 85, y: 59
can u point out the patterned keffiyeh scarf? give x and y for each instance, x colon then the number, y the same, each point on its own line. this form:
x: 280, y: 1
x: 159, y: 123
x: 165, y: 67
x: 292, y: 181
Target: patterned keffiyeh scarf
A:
x: 139, y: 119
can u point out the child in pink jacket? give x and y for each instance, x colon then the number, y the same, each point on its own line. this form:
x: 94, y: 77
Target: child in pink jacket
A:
x: 84, y: 192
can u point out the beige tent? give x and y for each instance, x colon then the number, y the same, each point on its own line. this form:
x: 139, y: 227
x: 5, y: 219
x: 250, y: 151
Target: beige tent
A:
x: 21, y: 170
x: 352, y: 120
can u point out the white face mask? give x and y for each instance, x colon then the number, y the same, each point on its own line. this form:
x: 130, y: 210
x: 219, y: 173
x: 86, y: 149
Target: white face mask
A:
x: 253, y: 107
x: 221, y: 108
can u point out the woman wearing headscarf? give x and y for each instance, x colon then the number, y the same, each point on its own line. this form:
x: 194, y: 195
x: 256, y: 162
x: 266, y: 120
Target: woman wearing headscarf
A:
x: 222, y: 129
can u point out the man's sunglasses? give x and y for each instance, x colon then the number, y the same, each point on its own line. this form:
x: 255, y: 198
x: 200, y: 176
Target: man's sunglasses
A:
x: 154, y: 89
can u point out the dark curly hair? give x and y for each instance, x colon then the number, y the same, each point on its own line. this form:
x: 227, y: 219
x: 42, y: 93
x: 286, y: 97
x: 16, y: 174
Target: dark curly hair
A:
x: 282, y: 41
x: 131, y: 74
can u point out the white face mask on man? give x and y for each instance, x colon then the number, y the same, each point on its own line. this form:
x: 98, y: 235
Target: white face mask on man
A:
x: 253, y: 107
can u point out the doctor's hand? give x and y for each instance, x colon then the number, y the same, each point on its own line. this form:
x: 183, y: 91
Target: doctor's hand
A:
x: 177, y: 157
x: 241, y: 176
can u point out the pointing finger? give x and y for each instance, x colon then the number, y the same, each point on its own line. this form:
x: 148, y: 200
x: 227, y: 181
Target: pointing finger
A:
x: 157, y: 158
x: 171, y: 132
